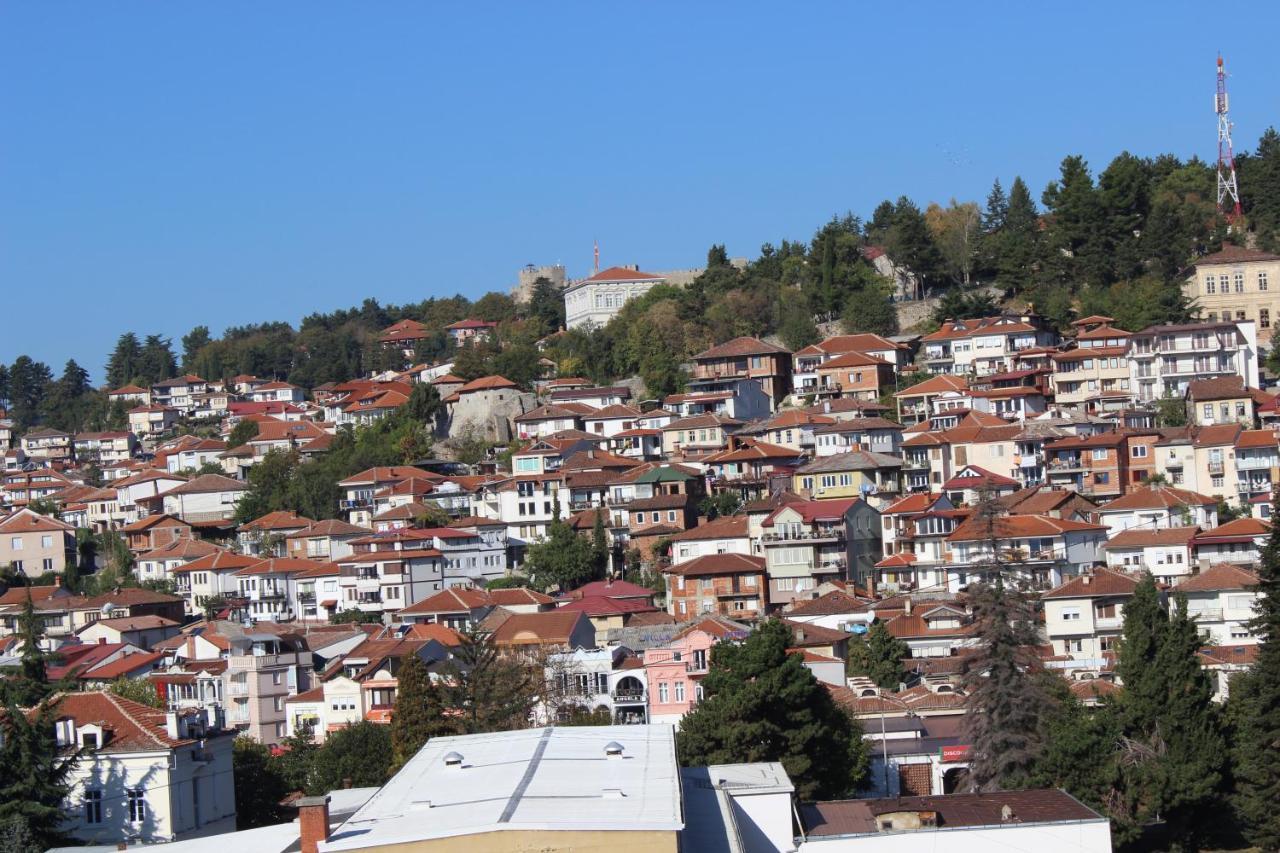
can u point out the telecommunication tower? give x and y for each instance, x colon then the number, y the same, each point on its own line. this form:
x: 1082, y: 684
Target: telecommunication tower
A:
x: 1228, y: 191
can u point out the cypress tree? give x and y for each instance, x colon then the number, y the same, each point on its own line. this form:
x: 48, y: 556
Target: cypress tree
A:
x: 419, y: 712
x: 1257, y: 693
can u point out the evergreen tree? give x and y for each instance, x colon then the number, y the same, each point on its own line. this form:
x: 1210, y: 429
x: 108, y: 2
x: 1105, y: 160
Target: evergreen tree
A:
x: 1259, y: 174
x: 27, y: 685
x: 242, y: 432
x: 762, y: 704
x: 125, y: 362
x: 293, y: 765
x: 546, y: 305
x: 878, y: 655
x: 600, y: 551
x: 258, y: 788
x: 156, y: 361
x: 870, y: 310
x: 487, y: 691
x: 361, y: 753
x: 192, y: 342
x: 796, y: 327
x: 1019, y: 244
x: 419, y: 712
x: 1171, y: 757
x: 29, y: 382
x: 68, y: 403
x: 997, y: 210
x: 1256, y: 751
x: 34, y: 775
x: 1077, y: 245
x: 1006, y: 701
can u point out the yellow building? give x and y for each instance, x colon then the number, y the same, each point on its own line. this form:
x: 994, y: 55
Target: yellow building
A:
x: 1237, y: 284
x: 855, y: 474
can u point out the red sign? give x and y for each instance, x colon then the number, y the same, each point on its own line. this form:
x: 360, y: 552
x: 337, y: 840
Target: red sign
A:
x: 954, y: 753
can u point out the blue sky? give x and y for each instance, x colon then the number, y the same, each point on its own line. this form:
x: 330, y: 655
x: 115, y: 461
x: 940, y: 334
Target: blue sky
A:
x: 164, y: 164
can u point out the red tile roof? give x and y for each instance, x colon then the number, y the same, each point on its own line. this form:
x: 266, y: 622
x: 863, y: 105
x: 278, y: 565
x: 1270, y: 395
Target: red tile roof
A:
x: 718, y: 564
x: 624, y: 274
x: 1095, y: 584
x: 129, y: 726
x: 1221, y: 576
x: 1158, y: 497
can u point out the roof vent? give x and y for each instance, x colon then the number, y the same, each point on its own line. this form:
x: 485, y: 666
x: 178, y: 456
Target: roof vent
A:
x: 613, y: 749
x: 453, y: 759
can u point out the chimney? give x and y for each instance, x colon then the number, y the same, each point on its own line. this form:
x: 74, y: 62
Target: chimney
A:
x: 57, y: 581
x: 313, y: 823
x: 907, y: 605
x: 171, y: 725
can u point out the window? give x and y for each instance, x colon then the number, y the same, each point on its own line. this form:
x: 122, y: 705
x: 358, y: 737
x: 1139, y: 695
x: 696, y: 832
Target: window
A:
x: 1217, y: 482
x: 277, y: 678
x: 137, y: 805
x: 15, y: 543
x: 1241, y: 316
x: 679, y: 691
x: 1208, y: 411
x: 279, y: 703
x: 46, y: 564
x: 1099, y: 454
x: 92, y: 806
x: 1139, y: 451
x: 1102, y: 478
x: 1070, y: 614
x: 662, y: 691
x: 1262, y: 279
x: 1264, y: 318
x: 46, y: 541
x: 1209, y: 285
x: 1239, y: 281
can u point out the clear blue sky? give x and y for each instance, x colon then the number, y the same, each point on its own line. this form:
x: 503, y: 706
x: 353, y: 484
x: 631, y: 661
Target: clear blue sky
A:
x: 169, y: 163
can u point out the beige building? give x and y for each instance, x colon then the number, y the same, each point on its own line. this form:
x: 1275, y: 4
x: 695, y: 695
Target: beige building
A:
x: 36, y: 544
x: 1237, y: 284
x: 263, y: 670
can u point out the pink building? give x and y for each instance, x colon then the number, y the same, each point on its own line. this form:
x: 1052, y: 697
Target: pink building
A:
x: 674, y: 671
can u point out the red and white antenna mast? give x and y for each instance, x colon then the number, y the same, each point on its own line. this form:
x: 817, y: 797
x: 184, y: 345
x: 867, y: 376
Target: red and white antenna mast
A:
x: 1228, y: 191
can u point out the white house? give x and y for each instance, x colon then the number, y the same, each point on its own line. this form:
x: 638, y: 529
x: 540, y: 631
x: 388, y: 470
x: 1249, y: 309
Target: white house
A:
x: 146, y: 775
x: 1222, y: 600
x: 1084, y: 617
x: 1157, y: 507
x: 598, y: 299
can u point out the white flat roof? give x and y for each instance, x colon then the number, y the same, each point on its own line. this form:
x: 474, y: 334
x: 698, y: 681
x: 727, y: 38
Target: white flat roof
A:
x: 535, y: 779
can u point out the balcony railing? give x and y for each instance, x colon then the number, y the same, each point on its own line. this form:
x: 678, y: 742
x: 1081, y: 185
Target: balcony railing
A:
x: 1216, y: 467
x: 831, y: 535
x: 628, y: 695
x: 1068, y: 464
x: 1213, y: 614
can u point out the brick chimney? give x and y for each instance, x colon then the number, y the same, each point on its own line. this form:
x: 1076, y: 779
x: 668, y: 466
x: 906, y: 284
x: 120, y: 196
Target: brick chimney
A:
x: 313, y: 822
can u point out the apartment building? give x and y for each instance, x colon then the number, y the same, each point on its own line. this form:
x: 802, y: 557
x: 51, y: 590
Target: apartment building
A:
x: 1084, y: 617
x: 810, y: 358
x: 35, y: 544
x: 209, y: 499
x: 1165, y: 360
x: 1221, y: 400
x: 105, y: 448
x: 263, y: 670
x: 1157, y: 507
x: 48, y: 444
x: 1236, y: 284
x: 807, y: 543
x: 744, y: 358
x: 733, y: 585
x: 985, y: 345
x: 1222, y: 599
x: 1039, y: 549
x: 877, y: 435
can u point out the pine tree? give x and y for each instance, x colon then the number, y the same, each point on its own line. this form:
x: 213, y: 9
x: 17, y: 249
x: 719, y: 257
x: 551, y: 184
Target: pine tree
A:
x: 878, y: 655
x: 1019, y: 246
x: 156, y: 361
x: 34, y: 775
x: 762, y: 704
x: 29, y: 385
x: 192, y: 342
x: 125, y: 362
x: 1007, y: 701
x: 27, y: 685
x: 486, y: 690
x: 419, y: 712
x: 361, y: 753
x: 1256, y: 751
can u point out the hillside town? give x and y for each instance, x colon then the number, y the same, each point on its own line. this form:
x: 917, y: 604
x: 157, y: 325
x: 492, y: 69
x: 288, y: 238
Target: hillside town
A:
x: 852, y: 498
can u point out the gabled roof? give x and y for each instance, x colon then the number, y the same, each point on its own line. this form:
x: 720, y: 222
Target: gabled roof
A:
x: 183, y: 549
x: 1232, y: 254
x: 29, y: 521
x: 600, y: 605
x: 1020, y: 527
x: 1157, y: 497
x: 223, y: 561
x: 853, y: 359
x: 130, y: 726
x: 833, y: 603
x: 1247, y: 528
x: 550, y: 627
x: 1220, y: 576
x: 718, y: 564
x: 1217, y: 388
x: 739, y: 347
x: 330, y: 527
x: 977, y: 477
x: 207, y: 484
x: 935, y: 385
x: 279, y: 520
x: 612, y: 589
x: 725, y: 527
x: 1148, y: 538
x: 1094, y: 584
x: 811, y: 510
x: 282, y: 566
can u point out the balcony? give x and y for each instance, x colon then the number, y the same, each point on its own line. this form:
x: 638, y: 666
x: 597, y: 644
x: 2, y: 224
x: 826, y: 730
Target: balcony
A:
x: 915, y: 464
x: 1216, y: 467
x: 1108, y: 623
x: 1213, y: 614
x: 306, y: 598
x: 629, y: 696
x: 355, y: 503
x: 1030, y: 460
x: 1254, y: 463
x: 1068, y: 463
x: 829, y: 535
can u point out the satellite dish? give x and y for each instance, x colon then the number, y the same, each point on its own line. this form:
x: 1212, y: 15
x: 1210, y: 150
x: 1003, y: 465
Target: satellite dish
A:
x: 108, y: 609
